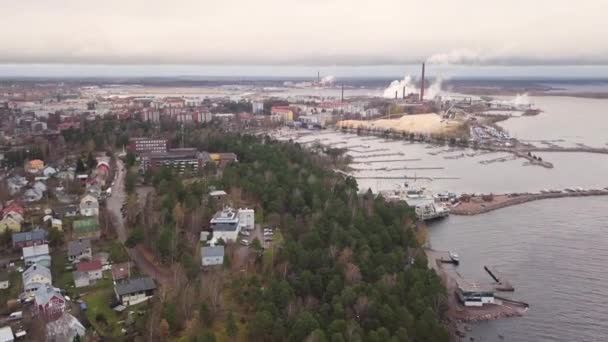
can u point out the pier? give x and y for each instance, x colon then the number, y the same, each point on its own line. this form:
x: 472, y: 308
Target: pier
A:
x: 399, y: 168
x: 502, y: 284
x: 477, y: 205
x: 380, y: 155
x: 385, y: 161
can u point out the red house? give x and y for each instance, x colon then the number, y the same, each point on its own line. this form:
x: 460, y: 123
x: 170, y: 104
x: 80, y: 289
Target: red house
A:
x: 50, y: 303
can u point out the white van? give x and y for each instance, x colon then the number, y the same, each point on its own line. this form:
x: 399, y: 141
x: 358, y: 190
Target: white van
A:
x: 15, y: 316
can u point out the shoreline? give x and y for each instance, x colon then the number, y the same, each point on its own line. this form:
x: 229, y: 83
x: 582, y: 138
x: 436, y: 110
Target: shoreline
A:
x: 477, y: 205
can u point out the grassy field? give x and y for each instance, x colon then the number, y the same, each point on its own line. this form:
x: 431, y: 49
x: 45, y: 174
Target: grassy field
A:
x: 100, y: 315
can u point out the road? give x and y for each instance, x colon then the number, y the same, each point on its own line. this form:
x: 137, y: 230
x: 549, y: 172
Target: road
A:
x: 114, y: 204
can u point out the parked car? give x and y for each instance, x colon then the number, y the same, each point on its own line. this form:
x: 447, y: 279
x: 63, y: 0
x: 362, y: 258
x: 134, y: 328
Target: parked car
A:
x: 15, y: 316
x: 244, y: 233
x: 244, y: 242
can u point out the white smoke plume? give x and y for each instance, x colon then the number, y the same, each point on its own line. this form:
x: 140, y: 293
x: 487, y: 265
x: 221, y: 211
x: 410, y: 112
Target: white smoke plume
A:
x: 328, y: 80
x: 397, y: 86
x: 521, y: 100
x: 458, y: 57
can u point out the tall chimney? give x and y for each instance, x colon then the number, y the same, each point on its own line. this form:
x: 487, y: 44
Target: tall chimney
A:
x: 342, y: 98
x: 404, y: 92
x: 422, y: 85
x: 396, y: 92
x: 318, y: 77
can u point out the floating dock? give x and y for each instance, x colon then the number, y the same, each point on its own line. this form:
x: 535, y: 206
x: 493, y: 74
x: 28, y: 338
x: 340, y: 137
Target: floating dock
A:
x: 502, y: 283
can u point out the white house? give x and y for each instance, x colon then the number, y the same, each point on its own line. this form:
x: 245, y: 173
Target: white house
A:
x: 35, y: 277
x: 212, y: 256
x: 87, y: 272
x: 89, y: 206
x: 473, y: 294
x: 246, y: 218
x: 225, y: 225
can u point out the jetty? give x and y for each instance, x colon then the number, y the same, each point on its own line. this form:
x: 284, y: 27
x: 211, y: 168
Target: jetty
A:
x: 385, y: 161
x: 478, y: 204
x: 502, y: 283
x: 379, y: 155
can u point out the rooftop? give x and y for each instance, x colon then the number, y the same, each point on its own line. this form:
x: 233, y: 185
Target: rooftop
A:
x: 78, y: 247
x: 35, y: 250
x: 88, y: 266
x: 211, y: 252
x: 133, y: 285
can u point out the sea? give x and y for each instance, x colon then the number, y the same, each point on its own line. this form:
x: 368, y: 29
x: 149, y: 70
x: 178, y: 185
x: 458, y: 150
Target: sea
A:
x: 555, y: 252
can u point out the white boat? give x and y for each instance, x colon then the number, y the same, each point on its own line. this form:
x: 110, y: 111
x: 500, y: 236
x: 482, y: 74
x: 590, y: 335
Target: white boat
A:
x: 425, y: 205
x: 455, y: 258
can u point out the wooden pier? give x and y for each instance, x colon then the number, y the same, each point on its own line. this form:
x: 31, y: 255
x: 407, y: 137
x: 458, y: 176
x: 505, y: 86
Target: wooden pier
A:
x: 386, y: 161
x: 502, y: 284
x: 379, y: 155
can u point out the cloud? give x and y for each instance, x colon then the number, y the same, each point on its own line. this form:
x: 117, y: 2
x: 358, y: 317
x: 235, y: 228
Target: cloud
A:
x: 314, y: 32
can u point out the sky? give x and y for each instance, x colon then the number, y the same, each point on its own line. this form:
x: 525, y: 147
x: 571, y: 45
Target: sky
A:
x: 253, y: 36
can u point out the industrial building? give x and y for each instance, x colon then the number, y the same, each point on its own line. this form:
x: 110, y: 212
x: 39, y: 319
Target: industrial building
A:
x: 180, y: 159
x: 146, y: 145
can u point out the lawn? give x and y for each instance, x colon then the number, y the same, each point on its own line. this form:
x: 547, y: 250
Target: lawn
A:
x: 100, y: 315
x: 12, y: 292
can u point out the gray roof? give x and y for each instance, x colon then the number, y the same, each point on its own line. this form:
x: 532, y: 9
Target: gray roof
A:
x: 209, y: 252
x: 35, y: 270
x: 134, y: 285
x: 35, y: 250
x: 78, y: 247
x: 36, y: 234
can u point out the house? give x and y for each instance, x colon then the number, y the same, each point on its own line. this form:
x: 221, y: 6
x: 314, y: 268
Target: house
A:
x: 5, y: 282
x: 218, y: 195
x: 37, y: 236
x: 246, y: 218
x: 474, y: 294
x: 6, y: 334
x: 79, y: 250
x: 12, y: 209
x: 86, y: 228
x: 91, y: 269
x: 57, y: 224
x: 81, y: 279
x: 89, y: 206
x: 212, y: 256
x: 49, y: 302
x: 38, y: 254
x: 225, y: 225
x: 32, y: 195
x: 34, y: 166
x: 49, y: 171
x: 281, y: 114
x: 67, y: 211
x: 223, y: 159
x: 121, y: 271
x: 65, y: 328
x: 35, y: 277
x: 15, y: 184
x: 10, y: 224
x: 134, y: 290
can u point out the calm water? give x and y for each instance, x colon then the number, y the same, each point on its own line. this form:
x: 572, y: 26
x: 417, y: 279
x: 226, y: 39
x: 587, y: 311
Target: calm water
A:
x: 567, y: 120
x: 554, y: 251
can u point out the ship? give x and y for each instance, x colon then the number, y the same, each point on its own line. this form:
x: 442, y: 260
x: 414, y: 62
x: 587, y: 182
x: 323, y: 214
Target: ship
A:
x: 425, y: 205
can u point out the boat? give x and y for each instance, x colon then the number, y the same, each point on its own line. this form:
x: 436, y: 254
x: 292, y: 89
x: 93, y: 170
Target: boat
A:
x: 426, y: 206
x: 454, y: 257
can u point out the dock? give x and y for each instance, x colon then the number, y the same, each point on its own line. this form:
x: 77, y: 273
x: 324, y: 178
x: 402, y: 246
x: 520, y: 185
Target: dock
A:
x: 385, y: 161
x: 502, y: 283
x: 444, y: 257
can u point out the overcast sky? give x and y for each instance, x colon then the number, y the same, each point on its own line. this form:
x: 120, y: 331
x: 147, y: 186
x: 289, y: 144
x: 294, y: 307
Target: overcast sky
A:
x: 345, y: 33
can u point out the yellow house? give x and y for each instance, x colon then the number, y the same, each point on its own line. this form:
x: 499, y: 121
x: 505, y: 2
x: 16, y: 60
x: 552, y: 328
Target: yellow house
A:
x: 281, y: 113
x: 9, y: 223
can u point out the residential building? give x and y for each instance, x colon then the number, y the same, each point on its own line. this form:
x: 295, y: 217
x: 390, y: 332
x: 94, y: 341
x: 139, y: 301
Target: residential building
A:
x: 89, y: 206
x: 6, y: 334
x: 474, y: 294
x: 246, y: 218
x: 79, y: 250
x: 37, y: 236
x: 38, y: 254
x: 147, y: 145
x: 65, y: 328
x: 49, y: 302
x: 87, y: 272
x: 5, y: 282
x: 212, y: 256
x: 34, y: 166
x: 35, y: 277
x: 133, y: 291
x: 223, y: 159
x: 9, y: 223
x: 225, y: 225
x: 257, y: 107
x: 180, y: 159
x: 87, y: 228
x: 281, y: 114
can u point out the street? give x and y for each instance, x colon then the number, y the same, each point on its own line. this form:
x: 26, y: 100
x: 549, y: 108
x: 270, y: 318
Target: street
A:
x: 114, y: 204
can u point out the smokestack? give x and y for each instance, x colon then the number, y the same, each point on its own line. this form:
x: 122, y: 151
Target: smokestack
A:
x: 318, y: 77
x: 342, y: 98
x: 404, y: 92
x: 422, y: 85
x: 396, y: 92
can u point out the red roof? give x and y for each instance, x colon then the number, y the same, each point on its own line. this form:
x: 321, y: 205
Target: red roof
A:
x: 88, y: 266
x: 280, y: 109
x: 14, y: 207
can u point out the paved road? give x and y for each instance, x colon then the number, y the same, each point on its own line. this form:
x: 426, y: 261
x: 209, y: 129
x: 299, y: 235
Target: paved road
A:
x: 114, y: 204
